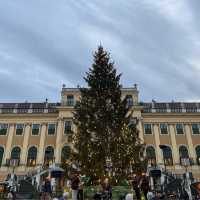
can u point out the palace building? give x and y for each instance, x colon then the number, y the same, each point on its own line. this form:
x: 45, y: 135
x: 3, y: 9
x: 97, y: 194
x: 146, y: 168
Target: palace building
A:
x: 36, y: 134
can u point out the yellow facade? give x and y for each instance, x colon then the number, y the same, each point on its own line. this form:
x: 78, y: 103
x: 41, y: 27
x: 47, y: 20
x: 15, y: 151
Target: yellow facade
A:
x: 46, y: 128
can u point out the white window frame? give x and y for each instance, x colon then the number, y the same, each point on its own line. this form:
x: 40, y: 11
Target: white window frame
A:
x: 6, y: 130
x: 167, y: 129
x: 182, y: 128
x: 68, y: 120
x: 16, y: 129
x: 192, y: 129
x: 48, y: 129
x: 145, y: 129
x: 32, y: 129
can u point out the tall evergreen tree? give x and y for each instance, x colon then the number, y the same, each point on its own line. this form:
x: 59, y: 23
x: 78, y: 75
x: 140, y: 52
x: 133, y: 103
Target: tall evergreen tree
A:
x: 104, y: 132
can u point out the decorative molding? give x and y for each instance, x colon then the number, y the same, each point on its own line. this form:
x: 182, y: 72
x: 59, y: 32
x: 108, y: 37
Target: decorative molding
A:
x: 44, y: 123
x: 155, y: 124
x: 27, y: 124
x: 60, y: 119
x: 11, y: 124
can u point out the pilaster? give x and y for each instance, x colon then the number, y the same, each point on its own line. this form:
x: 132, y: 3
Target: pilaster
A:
x: 25, y: 143
x: 140, y: 128
x: 159, y: 156
x: 59, y: 140
x: 188, y: 133
x: 42, y: 144
x: 9, y: 142
x: 174, y: 144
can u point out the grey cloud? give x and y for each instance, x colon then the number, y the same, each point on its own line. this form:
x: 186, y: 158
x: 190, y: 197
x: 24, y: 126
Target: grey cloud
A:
x: 47, y: 43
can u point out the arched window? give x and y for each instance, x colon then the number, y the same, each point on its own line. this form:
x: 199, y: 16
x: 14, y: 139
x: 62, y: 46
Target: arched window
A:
x: 66, y: 151
x: 151, y: 155
x: 167, y: 156
x: 198, y: 154
x: 32, y: 155
x: 1, y: 155
x: 183, y: 153
x: 15, y: 156
x: 49, y: 155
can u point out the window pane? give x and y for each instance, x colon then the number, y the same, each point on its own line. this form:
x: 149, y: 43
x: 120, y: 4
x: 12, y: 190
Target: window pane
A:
x: 3, y: 129
x: 19, y: 129
x: 49, y: 155
x: 15, y: 154
x: 147, y: 129
x: 35, y: 129
x: 195, y: 129
x: 184, y: 156
x: 32, y: 155
x: 129, y: 100
x: 68, y: 127
x: 66, y: 150
x: 179, y: 129
x: 167, y: 154
x: 70, y: 100
x: 183, y: 152
x: 198, y: 154
x: 51, y: 129
x: 1, y: 155
x: 151, y: 155
x: 163, y: 128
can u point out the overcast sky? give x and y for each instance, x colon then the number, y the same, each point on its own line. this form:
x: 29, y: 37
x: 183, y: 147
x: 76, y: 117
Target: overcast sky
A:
x: 45, y: 43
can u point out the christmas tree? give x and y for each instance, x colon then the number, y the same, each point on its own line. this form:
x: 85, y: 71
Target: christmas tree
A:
x: 106, y: 139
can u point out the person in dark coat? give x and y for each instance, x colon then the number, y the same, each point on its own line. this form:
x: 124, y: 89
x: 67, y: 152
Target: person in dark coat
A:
x: 47, y: 186
x: 106, y: 189
x: 145, y: 185
x: 75, y: 186
x: 136, y: 186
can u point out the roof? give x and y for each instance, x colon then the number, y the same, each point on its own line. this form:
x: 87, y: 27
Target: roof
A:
x: 148, y: 107
x: 26, y: 107
x: 188, y: 107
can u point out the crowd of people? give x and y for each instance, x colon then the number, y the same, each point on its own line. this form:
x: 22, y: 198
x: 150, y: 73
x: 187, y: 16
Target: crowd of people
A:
x: 140, y: 186
x: 74, y: 189
x: 74, y: 185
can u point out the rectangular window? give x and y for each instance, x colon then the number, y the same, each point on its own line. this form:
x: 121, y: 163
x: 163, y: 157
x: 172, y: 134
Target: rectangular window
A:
x: 195, y: 129
x: 179, y: 129
x: 147, y: 129
x: 129, y: 100
x: 176, y: 110
x: 68, y: 127
x: 37, y: 110
x: 19, y: 129
x: 161, y: 110
x: 70, y: 100
x: 35, y: 129
x: 3, y: 129
x: 51, y: 129
x: 163, y: 128
x: 191, y: 110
